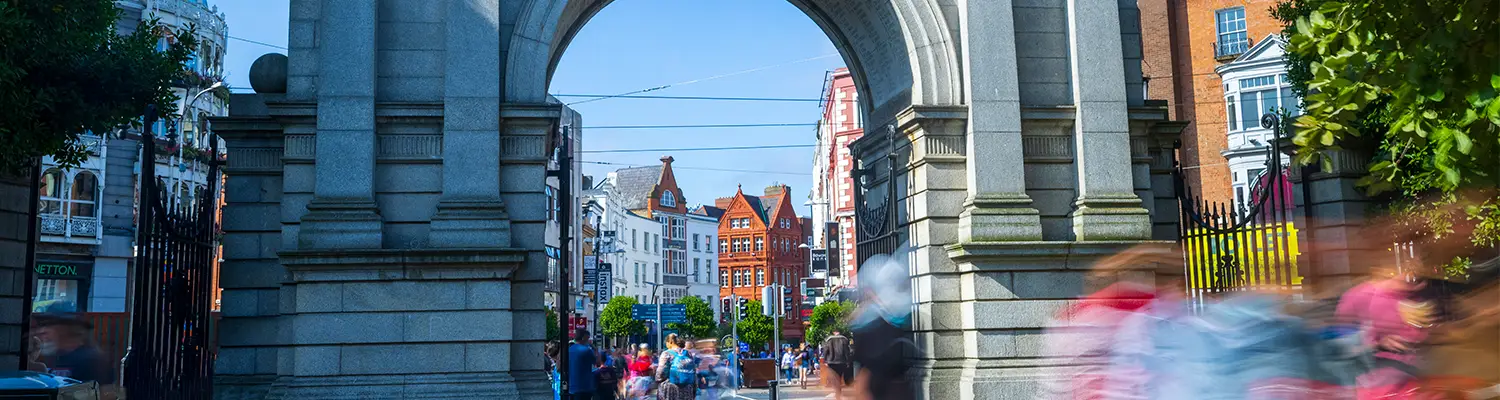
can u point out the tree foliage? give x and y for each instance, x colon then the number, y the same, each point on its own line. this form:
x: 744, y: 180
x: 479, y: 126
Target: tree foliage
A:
x: 1416, y: 84
x: 700, y: 323
x: 551, y: 320
x: 64, y: 71
x: 615, y: 320
x: 755, y: 330
x: 828, y: 317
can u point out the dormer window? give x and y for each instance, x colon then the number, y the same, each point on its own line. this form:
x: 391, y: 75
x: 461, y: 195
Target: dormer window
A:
x: 667, y: 199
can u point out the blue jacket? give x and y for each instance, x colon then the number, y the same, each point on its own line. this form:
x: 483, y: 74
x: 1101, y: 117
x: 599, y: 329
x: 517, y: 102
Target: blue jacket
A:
x: 581, y: 361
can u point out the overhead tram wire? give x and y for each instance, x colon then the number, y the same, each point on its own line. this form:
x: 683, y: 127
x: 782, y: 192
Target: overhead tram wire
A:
x: 259, y: 43
x: 674, y: 166
x: 689, y: 82
x: 710, y: 98
x: 732, y: 148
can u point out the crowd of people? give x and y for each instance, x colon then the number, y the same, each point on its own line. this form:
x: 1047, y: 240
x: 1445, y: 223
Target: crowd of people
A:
x: 1411, y: 330
x: 684, y: 370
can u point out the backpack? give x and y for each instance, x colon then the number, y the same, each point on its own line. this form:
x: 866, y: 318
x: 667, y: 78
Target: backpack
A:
x: 683, y: 368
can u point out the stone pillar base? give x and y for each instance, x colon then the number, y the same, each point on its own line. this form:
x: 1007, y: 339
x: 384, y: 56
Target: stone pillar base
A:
x: 1012, y: 293
x: 495, y: 385
x: 242, y: 387
x: 341, y: 224
x: 1006, y: 217
x: 467, y: 223
x: 1110, y: 217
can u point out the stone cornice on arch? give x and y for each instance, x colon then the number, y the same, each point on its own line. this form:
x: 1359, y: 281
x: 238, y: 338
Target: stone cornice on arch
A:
x: 922, y: 69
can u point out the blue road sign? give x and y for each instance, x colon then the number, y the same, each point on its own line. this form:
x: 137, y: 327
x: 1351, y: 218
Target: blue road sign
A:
x: 670, y: 313
x: 744, y: 347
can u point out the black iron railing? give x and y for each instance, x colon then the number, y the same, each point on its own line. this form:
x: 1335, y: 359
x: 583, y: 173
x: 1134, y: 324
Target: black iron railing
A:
x: 171, y: 354
x: 1250, y: 245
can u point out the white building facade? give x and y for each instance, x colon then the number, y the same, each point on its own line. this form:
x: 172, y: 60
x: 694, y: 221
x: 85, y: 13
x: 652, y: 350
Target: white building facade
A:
x: 87, y: 237
x: 1255, y: 83
x: 703, y: 255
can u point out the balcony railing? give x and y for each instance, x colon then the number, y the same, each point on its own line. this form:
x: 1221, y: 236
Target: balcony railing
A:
x: 70, y: 226
x: 1229, y: 50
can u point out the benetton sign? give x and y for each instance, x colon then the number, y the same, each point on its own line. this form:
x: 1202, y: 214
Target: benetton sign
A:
x: 57, y: 269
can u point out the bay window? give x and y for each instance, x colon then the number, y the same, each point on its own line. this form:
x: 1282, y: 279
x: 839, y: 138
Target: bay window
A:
x: 1249, y: 98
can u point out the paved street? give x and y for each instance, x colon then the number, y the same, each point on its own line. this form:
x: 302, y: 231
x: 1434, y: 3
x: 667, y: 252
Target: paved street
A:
x: 792, y: 393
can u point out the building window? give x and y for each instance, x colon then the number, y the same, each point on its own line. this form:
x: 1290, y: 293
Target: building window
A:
x: 723, y: 278
x: 723, y: 243
x: 1233, y: 40
x: 697, y: 268
x: 696, y: 245
x: 708, y: 243
x: 85, y: 190
x: 1249, y: 98
x: 667, y: 199
x: 551, y: 204
x: 679, y: 228
x: 634, y: 234
x: 52, y: 192
x: 760, y: 277
x: 760, y: 243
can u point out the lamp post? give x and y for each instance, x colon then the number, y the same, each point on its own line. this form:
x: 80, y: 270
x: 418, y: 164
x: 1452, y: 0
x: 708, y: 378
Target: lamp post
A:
x: 659, y: 326
x: 182, y: 117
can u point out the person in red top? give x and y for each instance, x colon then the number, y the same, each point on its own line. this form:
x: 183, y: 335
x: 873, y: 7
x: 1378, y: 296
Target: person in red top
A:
x: 1083, y: 335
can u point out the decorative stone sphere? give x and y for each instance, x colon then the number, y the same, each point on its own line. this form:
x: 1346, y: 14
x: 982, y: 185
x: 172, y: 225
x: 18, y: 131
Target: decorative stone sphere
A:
x: 268, y: 74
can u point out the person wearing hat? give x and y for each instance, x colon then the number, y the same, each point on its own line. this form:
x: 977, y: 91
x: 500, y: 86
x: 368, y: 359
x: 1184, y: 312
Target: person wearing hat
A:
x: 64, y: 340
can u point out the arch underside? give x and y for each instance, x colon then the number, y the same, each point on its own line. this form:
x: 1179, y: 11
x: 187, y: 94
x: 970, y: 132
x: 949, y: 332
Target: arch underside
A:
x: 900, y: 52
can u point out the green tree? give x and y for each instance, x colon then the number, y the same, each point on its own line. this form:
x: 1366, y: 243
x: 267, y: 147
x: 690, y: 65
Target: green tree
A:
x: 756, y: 329
x: 828, y: 317
x: 64, y: 71
x: 700, y: 323
x: 552, y: 332
x: 615, y: 319
x: 1415, y: 83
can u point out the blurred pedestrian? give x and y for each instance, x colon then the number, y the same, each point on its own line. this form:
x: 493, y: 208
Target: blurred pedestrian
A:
x: 65, y: 341
x: 581, y: 363
x: 677, y: 371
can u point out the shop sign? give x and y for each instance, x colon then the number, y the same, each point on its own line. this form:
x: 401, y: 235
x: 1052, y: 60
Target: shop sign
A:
x: 62, y: 270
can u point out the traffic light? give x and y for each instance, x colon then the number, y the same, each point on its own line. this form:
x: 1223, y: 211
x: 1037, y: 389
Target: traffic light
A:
x: 744, y: 308
x: 786, y: 300
x: 768, y: 299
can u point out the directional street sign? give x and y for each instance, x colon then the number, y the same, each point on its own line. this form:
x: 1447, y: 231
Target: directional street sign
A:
x: 670, y: 313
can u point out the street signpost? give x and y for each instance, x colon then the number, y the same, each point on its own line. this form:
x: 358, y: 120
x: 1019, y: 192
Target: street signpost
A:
x: 670, y: 313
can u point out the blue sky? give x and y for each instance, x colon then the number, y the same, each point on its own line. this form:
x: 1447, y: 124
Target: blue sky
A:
x: 637, y: 44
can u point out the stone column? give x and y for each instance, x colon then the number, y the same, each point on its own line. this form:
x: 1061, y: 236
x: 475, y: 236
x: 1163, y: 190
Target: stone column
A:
x: 930, y: 156
x: 471, y: 212
x: 250, y: 275
x: 1330, y: 218
x: 524, y: 150
x: 997, y: 207
x: 342, y: 213
x: 1106, y: 208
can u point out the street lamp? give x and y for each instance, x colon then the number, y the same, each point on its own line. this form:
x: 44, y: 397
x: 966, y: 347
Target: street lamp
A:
x: 182, y: 117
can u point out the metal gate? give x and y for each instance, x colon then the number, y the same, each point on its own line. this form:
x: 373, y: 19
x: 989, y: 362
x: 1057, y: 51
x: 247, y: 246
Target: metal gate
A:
x: 170, y: 354
x: 874, y: 205
x: 1245, y: 244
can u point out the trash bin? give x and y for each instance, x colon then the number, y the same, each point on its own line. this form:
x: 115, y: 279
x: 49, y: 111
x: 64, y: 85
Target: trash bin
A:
x: 28, y: 385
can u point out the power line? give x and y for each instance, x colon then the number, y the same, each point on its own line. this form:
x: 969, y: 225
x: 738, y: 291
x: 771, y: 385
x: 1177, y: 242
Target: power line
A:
x: 689, y: 82
x: 695, y: 126
x: 259, y: 43
x: 777, y: 146
x: 674, y: 166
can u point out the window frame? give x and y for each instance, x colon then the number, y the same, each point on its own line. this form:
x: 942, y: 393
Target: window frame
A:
x: 1233, y: 41
x: 668, y: 199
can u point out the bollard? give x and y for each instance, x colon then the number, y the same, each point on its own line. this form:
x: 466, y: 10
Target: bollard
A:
x: 774, y: 383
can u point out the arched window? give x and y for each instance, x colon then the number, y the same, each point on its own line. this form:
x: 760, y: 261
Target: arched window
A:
x: 667, y: 199
x: 85, y: 194
x: 52, y: 192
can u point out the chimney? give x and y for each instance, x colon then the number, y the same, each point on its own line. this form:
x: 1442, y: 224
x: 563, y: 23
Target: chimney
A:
x: 723, y: 202
x: 776, y: 190
x: 666, y: 160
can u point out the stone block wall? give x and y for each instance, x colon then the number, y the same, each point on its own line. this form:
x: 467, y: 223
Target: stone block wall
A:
x: 15, y: 229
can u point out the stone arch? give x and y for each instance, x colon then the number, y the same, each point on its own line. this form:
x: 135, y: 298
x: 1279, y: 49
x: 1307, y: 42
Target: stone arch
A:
x: 924, y: 70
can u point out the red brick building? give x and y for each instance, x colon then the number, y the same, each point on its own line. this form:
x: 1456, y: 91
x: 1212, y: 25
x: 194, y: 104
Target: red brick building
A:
x: 833, y: 184
x: 759, y: 239
x: 1185, y: 43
